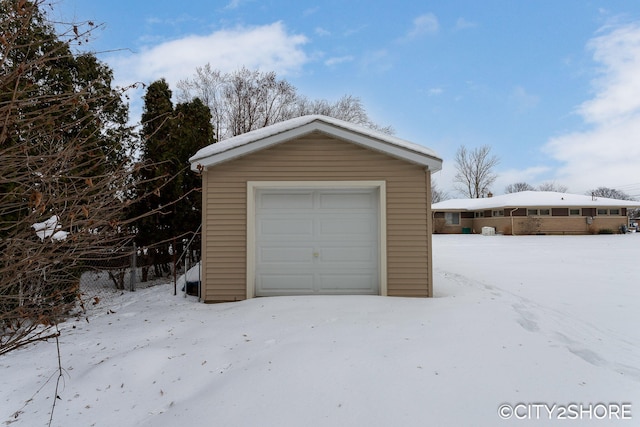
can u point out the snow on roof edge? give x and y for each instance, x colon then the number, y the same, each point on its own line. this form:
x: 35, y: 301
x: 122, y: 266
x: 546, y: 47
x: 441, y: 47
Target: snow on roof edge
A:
x: 531, y: 198
x: 297, y: 122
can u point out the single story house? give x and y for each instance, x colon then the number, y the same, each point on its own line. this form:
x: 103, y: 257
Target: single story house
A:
x: 315, y: 205
x: 532, y: 212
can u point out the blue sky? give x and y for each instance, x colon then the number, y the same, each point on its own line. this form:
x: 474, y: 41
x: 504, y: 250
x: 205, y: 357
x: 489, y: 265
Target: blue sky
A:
x: 552, y: 86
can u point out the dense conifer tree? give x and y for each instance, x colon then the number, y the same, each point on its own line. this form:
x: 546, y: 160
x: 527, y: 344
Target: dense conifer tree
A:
x: 170, y: 136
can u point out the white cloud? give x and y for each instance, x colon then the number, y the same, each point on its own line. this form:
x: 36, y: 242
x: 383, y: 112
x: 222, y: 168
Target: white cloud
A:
x: 377, y: 61
x: 423, y: 24
x: 322, y: 32
x: 522, y: 99
x: 618, y: 86
x: 310, y: 11
x: 356, y: 30
x: 233, y: 4
x: 338, y: 60
x: 463, y: 24
x: 267, y: 47
x: 603, y: 155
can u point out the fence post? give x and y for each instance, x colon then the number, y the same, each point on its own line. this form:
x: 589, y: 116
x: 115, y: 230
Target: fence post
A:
x: 175, y: 274
x: 186, y: 269
x: 134, y: 268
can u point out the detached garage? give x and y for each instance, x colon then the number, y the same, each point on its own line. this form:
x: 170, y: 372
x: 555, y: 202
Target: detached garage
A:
x: 315, y: 205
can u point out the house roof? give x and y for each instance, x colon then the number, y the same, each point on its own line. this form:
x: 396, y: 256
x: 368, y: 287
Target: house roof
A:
x: 290, y: 129
x: 526, y: 199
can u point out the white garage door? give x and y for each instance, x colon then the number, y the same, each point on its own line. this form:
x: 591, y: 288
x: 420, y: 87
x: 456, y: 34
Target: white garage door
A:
x: 316, y: 242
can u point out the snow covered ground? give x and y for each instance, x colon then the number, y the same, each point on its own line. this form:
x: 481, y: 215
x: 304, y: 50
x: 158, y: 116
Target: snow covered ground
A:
x: 518, y: 324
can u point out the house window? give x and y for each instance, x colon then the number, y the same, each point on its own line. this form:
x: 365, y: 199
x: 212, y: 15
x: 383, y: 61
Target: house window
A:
x: 574, y: 212
x: 602, y: 212
x: 452, y: 218
x: 479, y: 214
x: 497, y: 213
x: 614, y: 211
x: 536, y: 212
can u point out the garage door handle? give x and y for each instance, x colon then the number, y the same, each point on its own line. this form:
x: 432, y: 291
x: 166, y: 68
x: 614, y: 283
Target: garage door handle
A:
x: 316, y: 254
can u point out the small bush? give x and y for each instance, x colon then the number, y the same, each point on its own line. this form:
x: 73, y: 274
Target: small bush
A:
x: 530, y: 226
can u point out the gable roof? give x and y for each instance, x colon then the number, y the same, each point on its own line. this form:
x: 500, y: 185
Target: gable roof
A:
x: 526, y: 199
x: 259, y: 139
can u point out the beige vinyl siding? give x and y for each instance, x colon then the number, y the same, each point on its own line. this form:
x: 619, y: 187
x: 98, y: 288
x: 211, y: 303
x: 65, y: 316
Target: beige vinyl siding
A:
x: 316, y: 157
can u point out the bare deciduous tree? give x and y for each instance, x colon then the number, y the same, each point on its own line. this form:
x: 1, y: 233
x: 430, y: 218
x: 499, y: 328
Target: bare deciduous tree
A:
x: 518, y: 187
x: 546, y: 186
x: 475, y: 171
x: 240, y: 101
x: 207, y: 85
x: 255, y: 100
x: 610, y: 193
x: 437, y: 195
x: 553, y: 186
x: 245, y: 100
x: 348, y: 108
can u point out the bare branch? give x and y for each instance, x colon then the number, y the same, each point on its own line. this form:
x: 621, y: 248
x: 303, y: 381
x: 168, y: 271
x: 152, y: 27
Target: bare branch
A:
x: 65, y: 175
x: 475, y: 174
x: 245, y: 100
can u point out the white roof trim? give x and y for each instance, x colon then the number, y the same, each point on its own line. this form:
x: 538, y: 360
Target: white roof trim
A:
x: 525, y: 199
x: 284, y: 131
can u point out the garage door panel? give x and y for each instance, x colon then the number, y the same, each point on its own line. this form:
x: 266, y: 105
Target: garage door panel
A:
x: 285, y: 228
x: 317, y: 242
x: 285, y: 284
x: 285, y: 199
x: 360, y: 227
x: 285, y: 255
x: 347, y: 200
x: 353, y: 283
x: 347, y: 255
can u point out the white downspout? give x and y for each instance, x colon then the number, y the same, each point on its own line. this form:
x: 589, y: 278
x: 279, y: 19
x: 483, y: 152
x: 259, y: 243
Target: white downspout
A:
x: 513, y: 232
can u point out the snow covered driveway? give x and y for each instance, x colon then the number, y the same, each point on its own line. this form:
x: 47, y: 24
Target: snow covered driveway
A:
x: 538, y: 320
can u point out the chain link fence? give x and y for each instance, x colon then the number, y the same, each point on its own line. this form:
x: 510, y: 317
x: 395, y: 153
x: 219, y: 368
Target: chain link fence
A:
x: 135, y: 268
